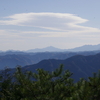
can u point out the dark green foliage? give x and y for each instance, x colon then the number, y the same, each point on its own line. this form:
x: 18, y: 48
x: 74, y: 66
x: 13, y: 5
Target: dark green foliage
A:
x: 44, y: 85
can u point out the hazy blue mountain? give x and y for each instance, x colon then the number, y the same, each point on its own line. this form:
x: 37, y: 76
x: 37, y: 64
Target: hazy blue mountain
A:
x: 47, y: 49
x: 81, y: 66
x: 12, y: 59
x: 77, y: 49
x: 53, y: 49
x: 85, y: 48
x: 1, y: 51
x: 10, y: 52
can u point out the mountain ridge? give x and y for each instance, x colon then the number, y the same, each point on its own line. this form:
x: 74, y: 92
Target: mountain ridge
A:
x: 81, y: 66
x: 12, y: 60
x: 54, y: 49
x: 76, y: 49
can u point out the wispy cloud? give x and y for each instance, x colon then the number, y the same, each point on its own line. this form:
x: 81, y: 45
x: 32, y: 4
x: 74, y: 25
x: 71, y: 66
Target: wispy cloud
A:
x: 57, y: 24
x: 52, y: 21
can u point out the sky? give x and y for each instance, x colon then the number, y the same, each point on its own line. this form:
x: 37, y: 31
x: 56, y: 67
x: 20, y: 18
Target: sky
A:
x: 65, y: 24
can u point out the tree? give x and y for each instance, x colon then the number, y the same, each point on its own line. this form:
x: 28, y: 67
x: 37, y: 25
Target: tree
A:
x: 45, y: 85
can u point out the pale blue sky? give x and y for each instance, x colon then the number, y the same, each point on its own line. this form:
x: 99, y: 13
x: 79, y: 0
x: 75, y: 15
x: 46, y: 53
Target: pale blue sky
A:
x: 29, y: 24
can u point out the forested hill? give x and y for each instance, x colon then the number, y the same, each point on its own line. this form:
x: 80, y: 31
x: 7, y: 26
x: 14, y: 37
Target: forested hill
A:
x: 80, y: 66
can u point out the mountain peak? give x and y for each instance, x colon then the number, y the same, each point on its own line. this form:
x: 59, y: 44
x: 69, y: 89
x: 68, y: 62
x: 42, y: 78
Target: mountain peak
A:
x: 46, y: 49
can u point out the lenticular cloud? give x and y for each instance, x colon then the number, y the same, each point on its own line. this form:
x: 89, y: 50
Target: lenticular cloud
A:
x: 58, y: 22
x: 52, y: 21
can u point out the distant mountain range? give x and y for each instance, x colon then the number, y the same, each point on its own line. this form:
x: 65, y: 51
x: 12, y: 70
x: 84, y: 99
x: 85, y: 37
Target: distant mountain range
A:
x: 80, y: 66
x: 12, y: 59
x: 47, y: 49
x: 53, y: 49
x: 77, y: 49
x: 86, y: 48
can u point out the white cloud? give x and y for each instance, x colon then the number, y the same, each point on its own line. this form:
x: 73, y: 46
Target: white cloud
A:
x: 52, y: 21
x: 53, y: 25
x: 60, y: 29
